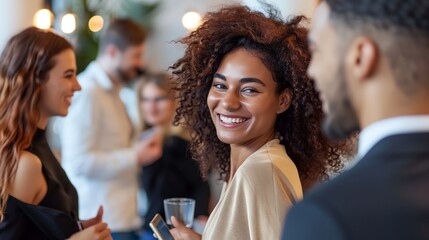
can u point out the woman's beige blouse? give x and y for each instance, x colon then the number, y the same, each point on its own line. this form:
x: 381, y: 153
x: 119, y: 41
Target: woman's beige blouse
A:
x: 254, y: 204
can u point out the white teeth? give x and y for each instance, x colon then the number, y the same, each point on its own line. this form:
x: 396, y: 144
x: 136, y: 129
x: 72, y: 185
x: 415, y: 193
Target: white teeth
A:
x: 231, y: 120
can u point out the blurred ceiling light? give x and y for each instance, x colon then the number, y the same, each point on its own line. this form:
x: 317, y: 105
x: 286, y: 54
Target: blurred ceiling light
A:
x: 96, y: 23
x: 68, y: 23
x: 43, y: 19
x: 191, y: 20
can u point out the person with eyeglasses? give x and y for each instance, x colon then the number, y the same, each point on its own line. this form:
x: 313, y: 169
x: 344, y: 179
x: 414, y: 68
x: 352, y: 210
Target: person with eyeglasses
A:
x: 98, y: 151
x: 175, y: 174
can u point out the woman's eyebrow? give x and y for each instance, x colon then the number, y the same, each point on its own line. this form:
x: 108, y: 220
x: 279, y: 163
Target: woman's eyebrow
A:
x: 243, y: 80
x: 218, y: 75
x: 252, y: 80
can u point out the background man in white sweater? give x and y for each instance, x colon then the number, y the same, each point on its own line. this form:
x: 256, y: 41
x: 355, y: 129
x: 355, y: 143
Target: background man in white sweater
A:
x: 96, y: 138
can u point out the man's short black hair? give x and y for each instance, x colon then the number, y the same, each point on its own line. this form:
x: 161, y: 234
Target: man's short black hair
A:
x: 407, y: 14
x: 400, y: 28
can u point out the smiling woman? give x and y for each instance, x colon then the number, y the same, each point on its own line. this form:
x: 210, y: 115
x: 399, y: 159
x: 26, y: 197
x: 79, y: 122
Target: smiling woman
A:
x: 64, y: 72
x: 243, y: 102
x: 37, y: 81
x: 243, y: 78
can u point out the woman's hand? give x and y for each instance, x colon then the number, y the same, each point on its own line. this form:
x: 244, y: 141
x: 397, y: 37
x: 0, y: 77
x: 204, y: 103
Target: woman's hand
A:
x: 93, y: 228
x: 99, y: 231
x: 181, y: 232
x: 97, y: 219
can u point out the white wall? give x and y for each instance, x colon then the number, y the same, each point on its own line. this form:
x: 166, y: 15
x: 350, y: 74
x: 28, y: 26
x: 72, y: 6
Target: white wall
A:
x: 161, y: 52
x: 288, y: 7
x: 15, y: 15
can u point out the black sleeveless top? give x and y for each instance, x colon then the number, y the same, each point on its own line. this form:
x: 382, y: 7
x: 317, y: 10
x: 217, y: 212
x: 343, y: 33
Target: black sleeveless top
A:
x: 56, y: 215
x: 176, y: 174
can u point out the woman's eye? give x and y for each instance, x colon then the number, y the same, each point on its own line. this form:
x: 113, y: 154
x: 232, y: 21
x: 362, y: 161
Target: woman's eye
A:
x: 250, y: 90
x: 219, y: 86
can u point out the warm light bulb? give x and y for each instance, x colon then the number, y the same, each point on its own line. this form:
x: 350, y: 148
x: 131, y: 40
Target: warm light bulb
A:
x: 96, y: 23
x: 68, y: 23
x: 191, y: 20
x: 43, y: 19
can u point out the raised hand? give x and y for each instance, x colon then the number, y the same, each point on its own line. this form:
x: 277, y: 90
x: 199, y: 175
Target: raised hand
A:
x: 92, y: 221
x: 150, y: 149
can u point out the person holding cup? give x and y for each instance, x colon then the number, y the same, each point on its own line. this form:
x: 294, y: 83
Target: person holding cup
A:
x: 175, y: 174
x: 243, y: 79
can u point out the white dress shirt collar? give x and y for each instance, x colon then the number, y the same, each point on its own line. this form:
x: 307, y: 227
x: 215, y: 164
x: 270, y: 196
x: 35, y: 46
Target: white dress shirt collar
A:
x: 388, y: 127
x: 102, y: 78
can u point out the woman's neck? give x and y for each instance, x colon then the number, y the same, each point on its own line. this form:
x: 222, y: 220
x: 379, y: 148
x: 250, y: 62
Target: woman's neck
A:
x: 238, y: 156
x: 42, y: 123
x: 239, y: 153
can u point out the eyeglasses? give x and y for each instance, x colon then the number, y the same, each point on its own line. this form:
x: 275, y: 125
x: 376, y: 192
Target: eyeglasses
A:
x: 159, y: 99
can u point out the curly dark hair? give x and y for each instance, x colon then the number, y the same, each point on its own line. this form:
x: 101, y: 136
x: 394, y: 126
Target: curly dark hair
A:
x: 282, y: 47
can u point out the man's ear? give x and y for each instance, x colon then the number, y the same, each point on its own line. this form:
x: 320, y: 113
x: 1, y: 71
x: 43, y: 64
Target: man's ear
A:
x: 285, y: 100
x: 363, y: 57
x: 111, y: 50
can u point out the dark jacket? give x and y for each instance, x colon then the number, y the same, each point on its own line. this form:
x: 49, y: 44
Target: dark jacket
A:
x: 385, y: 196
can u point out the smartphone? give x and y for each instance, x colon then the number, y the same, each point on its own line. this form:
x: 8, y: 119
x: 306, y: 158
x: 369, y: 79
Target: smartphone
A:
x: 160, y: 228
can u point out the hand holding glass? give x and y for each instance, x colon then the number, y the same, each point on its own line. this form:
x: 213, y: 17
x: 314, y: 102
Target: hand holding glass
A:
x: 181, y: 208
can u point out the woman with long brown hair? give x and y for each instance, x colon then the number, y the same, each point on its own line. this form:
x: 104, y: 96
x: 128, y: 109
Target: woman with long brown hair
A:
x: 37, y: 81
x: 243, y: 78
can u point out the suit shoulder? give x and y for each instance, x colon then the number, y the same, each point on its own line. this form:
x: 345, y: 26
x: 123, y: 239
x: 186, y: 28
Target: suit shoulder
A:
x: 346, y: 182
x: 311, y: 215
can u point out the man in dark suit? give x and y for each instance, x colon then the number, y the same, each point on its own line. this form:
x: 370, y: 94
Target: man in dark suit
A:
x: 370, y: 62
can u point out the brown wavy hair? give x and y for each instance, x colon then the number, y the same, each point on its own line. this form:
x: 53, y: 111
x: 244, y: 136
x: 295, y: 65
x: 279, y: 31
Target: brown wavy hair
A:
x: 282, y: 47
x: 24, y: 65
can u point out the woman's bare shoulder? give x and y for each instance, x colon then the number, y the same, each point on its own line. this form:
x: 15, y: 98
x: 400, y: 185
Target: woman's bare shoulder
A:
x: 29, y: 182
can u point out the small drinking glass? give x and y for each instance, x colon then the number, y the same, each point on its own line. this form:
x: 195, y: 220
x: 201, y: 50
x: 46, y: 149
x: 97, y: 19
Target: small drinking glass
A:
x: 181, y: 208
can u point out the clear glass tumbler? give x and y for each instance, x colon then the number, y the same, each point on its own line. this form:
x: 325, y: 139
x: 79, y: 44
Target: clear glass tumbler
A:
x: 182, y: 208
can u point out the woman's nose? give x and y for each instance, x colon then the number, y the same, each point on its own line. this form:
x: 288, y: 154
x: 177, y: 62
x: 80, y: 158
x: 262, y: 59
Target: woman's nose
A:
x: 231, y: 100
x: 76, y: 85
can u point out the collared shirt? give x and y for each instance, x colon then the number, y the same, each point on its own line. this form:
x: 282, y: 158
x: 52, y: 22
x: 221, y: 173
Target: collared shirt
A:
x: 388, y: 127
x: 97, y: 151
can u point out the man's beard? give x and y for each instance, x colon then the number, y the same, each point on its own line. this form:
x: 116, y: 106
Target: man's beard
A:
x: 126, y: 75
x: 341, y: 121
